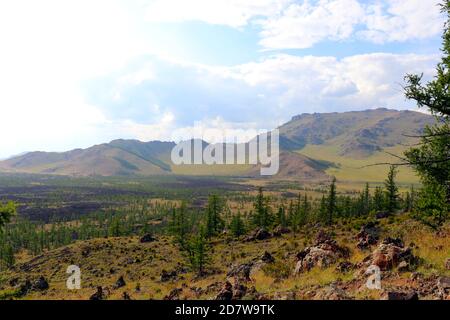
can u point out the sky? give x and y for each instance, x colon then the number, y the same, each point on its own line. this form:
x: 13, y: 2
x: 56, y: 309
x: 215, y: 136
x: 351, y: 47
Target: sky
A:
x: 78, y: 73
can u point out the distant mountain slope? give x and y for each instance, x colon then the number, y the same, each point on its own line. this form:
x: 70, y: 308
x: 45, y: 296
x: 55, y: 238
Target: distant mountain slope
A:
x: 358, y: 134
x: 119, y: 157
x: 313, y: 146
x: 355, y: 140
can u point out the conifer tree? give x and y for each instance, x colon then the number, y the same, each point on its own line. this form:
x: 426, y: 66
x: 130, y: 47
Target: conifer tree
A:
x: 198, y: 251
x: 378, y: 199
x: 366, y: 200
x: 391, y: 190
x: 431, y: 158
x: 237, y: 225
x: 6, y: 212
x: 262, y: 216
x: 180, y: 225
x: 331, y: 202
x: 214, y: 222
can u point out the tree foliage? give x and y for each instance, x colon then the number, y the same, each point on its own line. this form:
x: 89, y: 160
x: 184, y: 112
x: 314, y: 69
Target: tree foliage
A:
x: 331, y: 202
x: 6, y: 212
x: 431, y: 159
x: 198, y: 251
x: 392, y: 203
x: 214, y: 222
x: 262, y: 217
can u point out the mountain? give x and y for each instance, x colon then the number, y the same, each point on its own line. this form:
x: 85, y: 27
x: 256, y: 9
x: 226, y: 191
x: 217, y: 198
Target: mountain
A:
x: 313, y: 146
x: 358, y: 134
x: 119, y: 157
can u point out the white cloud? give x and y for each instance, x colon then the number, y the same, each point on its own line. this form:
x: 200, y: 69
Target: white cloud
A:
x: 399, y: 20
x: 327, y: 83
x: 303, y: 25
x: 233, y: 13
x: 267, y: 93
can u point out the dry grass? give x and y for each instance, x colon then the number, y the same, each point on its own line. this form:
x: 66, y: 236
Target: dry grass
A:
x: 141, y: 264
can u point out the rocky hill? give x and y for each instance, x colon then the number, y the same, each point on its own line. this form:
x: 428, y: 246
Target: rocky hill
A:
x: 281, y: 265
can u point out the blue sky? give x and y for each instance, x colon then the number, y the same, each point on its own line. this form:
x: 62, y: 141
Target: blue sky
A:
x: 78, y: 73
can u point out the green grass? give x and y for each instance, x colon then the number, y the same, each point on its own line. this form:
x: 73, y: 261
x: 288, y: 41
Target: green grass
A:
x: 360, y: 170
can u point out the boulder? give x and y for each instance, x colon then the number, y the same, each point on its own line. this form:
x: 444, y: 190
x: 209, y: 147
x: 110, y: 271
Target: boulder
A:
x: 98, y: 295
x: 399, y: 295
x: 447, y: 264
x: 368, y: 235
x: 40, y: 284
x: 168, y: 276
x: 267, y: 258
x: 390, y: 254
x: 322, y: 237
x: 280, y: 231
x: 395, y: 241
x: 345, y: 266
x: 403, y: 266
x: 147, y: 238
x: 262, y: 234
x: 323, y: 254
x: 281, y: 296
x: 226, y: 293
x: 25, y: 287
x: 259, y: 234
x: 119, y: 283
x: 213, y: 287
x: 443, y: 286
x: 252, y: 294
x: 13, y: 282
x: 239, y: 290
x: 241, y: 271
x: 126, y: 296
x: 332, y: 293
x: 174, y: 294
x: 382, y: 215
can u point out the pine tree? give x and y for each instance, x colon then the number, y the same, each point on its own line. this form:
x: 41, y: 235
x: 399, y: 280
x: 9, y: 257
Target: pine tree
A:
x: 407, y: 205
x: 410, y: 199
x: 115, y: 228
x: 198, y: 251
x: 214, y: 222
x: 378, y: 199
x: 262, y: 216
x: 391, y: 190
x: 6, y: 212
x: 431, y: 158
x: 323, y: 209
x: 9, y: 259
x: 366, y: 205
x: 331, y: 202
x: 237, y: 226
x: 291, y: 216
x: 180, y: 226
x: 303, y: 210
x: 432, y: 207
x: 281, y: 217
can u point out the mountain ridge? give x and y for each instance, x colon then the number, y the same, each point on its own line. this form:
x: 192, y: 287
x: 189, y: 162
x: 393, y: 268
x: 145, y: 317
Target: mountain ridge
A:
x: 353, y: 134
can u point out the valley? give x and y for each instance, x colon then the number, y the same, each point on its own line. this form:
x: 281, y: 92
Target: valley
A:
x: 139, y: 227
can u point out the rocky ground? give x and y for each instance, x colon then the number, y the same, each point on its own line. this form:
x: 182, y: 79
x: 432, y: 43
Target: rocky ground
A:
x: 317, y: 263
